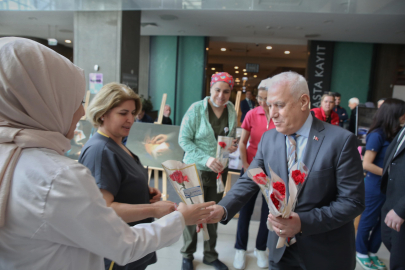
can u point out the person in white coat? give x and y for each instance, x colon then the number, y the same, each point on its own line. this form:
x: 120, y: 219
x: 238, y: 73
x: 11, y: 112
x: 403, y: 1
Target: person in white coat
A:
x: 52, y: 214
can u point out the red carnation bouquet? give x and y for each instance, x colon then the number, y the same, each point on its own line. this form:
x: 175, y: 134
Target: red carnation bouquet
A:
x: 186, y: 181
x: 222, y: 156
x: 274, y: 190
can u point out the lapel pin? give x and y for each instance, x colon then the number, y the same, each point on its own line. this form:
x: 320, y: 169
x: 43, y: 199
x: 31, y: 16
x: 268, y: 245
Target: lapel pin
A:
x: 315, y: 138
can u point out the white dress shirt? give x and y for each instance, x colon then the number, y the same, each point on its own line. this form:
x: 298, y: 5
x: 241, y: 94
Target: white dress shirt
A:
x: 57, y: 219
x: 302, y: 139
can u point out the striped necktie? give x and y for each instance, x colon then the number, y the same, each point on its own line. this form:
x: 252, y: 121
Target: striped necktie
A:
x: 292, y: 153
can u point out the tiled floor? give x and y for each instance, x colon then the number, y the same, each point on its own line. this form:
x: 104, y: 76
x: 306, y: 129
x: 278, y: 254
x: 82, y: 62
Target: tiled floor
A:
x: 170, y: 258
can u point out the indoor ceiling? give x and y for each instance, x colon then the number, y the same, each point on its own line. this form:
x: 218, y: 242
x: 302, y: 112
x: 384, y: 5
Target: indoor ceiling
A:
x: 258, y: 21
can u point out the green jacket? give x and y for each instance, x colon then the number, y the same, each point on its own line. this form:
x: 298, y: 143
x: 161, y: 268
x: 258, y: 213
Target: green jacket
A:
x: 197, y: 136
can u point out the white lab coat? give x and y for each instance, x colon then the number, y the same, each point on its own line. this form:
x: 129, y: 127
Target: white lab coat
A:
x: 57, y: 219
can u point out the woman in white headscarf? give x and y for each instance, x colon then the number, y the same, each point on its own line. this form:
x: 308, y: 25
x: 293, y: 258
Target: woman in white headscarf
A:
x: 52, y: 214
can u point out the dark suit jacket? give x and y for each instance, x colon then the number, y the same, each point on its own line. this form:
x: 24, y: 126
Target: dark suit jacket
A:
x: 331, y: 197
x: 244, y: 107
x: 392, y: 180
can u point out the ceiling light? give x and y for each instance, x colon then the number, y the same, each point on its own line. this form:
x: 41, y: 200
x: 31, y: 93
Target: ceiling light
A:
x: 207, y: 49
x: 236, y: 67
x: 245, y: 74
x: 149, y: 25
x: 269, y: 47
x: 68, y: 41
x: 212, y: 68
x: 255, y: 76
x: 244, y: 70
x: 223, y: 49
x: 236, y: 71
x: 237, y: 83
x: 216, y: 72
x: 287, y: 52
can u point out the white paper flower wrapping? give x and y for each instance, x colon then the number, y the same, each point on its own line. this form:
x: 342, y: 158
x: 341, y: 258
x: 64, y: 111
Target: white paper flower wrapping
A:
x: 222, y: 156
x: 186, y: 181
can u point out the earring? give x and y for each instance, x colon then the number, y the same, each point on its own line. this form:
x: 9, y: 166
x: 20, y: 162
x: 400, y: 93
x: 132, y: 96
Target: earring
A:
x: 102, y: 119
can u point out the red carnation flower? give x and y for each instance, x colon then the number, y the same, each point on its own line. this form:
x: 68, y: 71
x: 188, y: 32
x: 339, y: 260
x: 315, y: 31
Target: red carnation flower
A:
x: 178, y: 177
x: 298, y: 177
x: 260, y: 178
x: 278, y: 194
x: 275, y: 201
x: 222, y: 144
x: 280, y: 187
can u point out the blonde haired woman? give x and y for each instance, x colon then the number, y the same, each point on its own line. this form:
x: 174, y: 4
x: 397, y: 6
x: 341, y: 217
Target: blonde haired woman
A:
x: 119, y: 174
x: 52, y: 215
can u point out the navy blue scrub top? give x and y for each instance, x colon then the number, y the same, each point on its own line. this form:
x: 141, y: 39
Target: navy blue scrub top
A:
x: 375, y: 141
x: 119, y: 173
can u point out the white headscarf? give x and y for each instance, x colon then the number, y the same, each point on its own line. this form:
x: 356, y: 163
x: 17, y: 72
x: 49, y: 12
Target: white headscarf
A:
x: 40, y: 90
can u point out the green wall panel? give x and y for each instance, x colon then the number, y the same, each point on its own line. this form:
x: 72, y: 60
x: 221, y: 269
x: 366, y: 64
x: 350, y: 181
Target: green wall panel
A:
x: 190, y: 74
x: 183, y: 87
x: 162, y: 75
x: 351, y: 71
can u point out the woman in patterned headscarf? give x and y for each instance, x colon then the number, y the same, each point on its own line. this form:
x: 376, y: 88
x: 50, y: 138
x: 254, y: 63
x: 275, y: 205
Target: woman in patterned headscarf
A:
x: 203, y: 122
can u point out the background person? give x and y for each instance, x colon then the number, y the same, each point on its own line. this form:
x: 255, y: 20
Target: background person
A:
x: 119, y: 174
x: 331, y: 196
x: 203, y: 122
x: 343, y: 117
x: 353, y: 103
x: 380, y: 102
x: 257, y: 121
x: 52, y: 214
x: 393, y: 210
x: 325, y: 112
x: 385, y: 126
x: 143, y: 116
x: 246, y: 105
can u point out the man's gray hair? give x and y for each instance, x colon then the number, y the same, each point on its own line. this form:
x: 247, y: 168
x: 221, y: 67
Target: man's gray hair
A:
x: 354, y: 100
x: 297, y: 84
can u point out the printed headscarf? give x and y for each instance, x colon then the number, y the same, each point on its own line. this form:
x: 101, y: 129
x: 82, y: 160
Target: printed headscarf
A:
x: 222, y: 77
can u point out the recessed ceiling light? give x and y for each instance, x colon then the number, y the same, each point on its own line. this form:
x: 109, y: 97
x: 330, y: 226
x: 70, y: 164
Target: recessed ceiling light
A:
x: 212, y: 68
x: 149, y: 25
x: 255, y: 76
x: 269, y: 47
x: 223, y: 49
x: 237, y: 83
x: 244, y: 70
x: 236, y: 67
x: 68, y: 41
x: 287, y: 52
x: 245, y: 74
x: 207, y: 49
x: 236, y: 71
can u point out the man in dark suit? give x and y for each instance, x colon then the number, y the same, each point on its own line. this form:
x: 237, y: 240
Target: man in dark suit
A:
x: 331, y: 196
x: 393, y: 211
x: 246, y: 105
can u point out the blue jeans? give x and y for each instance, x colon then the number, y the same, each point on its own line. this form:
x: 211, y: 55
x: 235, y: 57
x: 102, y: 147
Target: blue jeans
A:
x: 245, y: 215
x: 370, y: 220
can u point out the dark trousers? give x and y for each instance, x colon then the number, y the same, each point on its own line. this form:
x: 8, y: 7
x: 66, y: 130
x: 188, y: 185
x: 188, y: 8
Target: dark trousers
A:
x: 190, y: 235
x: 370, y: 221
x: 245, y: 214
x: 394, y: 241
x: 291, y: 260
